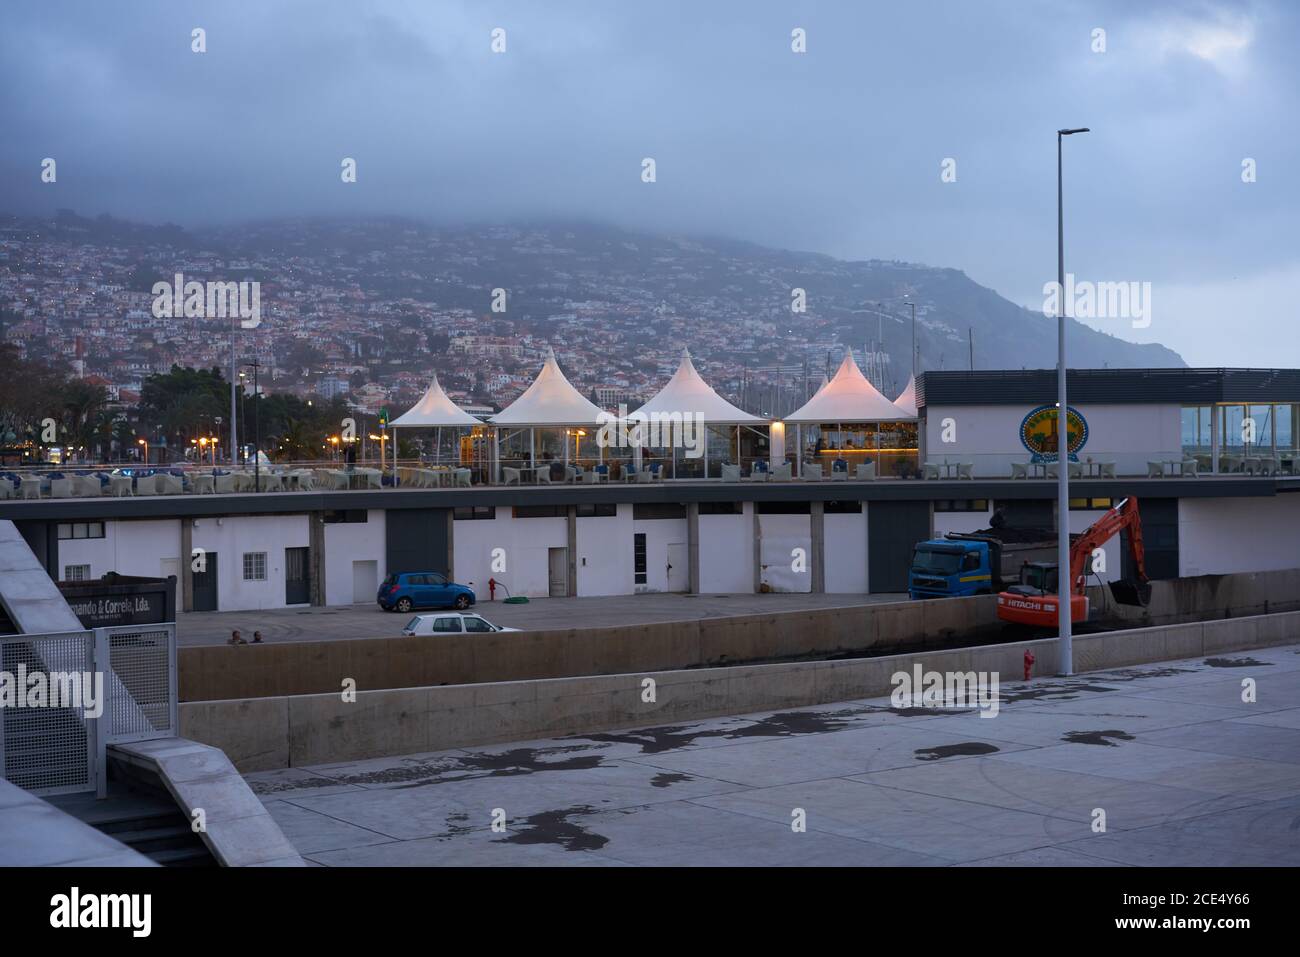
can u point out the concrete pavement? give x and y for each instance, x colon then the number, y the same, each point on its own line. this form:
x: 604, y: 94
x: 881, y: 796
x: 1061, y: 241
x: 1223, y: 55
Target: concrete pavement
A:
x: 368, y: 621
x: 1184, y: 771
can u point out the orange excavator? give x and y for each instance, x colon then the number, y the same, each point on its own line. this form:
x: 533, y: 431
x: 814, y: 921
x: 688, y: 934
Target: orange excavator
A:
x: 1033, y: 601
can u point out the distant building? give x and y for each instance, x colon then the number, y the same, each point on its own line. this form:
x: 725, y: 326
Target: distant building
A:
x: 330, y: 387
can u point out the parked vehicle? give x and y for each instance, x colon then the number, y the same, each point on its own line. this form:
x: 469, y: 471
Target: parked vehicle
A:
x: 1035, y: 600
x: 975, y: 563
x: 450, y: 623
x: 403, y: 591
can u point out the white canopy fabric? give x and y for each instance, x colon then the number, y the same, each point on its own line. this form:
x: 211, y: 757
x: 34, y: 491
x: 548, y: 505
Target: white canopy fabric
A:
x: 688, y: 394
x: 848, y: 397
x: 550, y: 401
x: 907, y: 401
x: 434, y: 408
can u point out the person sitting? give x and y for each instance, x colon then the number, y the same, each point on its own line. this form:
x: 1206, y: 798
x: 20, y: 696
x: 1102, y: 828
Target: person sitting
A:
x: 257, y: 637
x: 236, y: 638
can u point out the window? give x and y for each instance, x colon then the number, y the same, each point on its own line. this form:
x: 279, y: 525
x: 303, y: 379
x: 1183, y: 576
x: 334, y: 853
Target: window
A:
x: 69, y: 530
x: 784, y: 508
x: 961, y: 505
x: 1088, y: 504
x: 76, y: 573
x: 254, y: 566
x: 469, y: 513
x: 842, y: 508
x: 477, y: 625
x: 721, y: 508
x: 446, y: 626
x: 541, y: 511
x: 346, y: 516
x: 638, y: 558
x: 606, y: 510
x: 654, y: 510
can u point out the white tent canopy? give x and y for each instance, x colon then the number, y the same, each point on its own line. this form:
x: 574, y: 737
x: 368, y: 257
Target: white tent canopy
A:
x: 549, y: 402
x: 907, y: 401
x: 848, y: 397
x: 434, y: 408
x: 687, y: 394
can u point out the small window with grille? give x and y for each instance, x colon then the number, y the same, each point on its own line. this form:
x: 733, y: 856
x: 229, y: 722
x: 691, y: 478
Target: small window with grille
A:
x: 254, y: 566
x: 76, y: 573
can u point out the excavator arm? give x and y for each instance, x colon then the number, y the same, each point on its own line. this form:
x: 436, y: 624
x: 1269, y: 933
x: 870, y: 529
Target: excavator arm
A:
x: 1123, y: 517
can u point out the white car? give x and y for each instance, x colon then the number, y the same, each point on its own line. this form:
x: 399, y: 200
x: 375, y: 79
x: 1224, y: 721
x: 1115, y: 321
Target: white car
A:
x: 451, y: 623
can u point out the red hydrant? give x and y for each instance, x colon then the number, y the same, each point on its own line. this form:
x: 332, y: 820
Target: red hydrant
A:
x: 1029, y: 664
x: 492, y: 589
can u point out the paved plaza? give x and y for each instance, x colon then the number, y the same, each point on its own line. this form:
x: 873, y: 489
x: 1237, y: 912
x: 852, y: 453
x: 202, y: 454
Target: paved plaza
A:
x: 370, y: 621
x: 1184, y: 770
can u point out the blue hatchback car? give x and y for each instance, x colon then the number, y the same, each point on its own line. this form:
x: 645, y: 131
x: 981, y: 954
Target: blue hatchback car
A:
x: 403, y: 591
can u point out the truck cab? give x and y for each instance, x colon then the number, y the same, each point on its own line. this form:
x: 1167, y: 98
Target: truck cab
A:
x: 952, y: 568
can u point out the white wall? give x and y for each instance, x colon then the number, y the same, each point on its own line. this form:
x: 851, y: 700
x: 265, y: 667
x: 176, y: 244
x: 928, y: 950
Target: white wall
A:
x: 659, y: 534
x: 846, y: 553
x: 526, y: 542
x: 605, y: 559
x: 128, y: 548
x: 1222, y: 535
x: 989, y: 435
x: 780, y: 535
x: 346, y: 542
x: 727, y: 552
x: 251, y: 533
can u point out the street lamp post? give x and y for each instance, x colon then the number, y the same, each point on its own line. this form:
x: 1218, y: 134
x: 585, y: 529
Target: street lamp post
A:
x: 1064, y: 586
x: 145, y: 443
x: 257, y: 428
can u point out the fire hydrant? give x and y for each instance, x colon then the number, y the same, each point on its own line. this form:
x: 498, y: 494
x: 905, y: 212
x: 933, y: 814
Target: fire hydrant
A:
x: 1029, y: 664
x: 492, y: 592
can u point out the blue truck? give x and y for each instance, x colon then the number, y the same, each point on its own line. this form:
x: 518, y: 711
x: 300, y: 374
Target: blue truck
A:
x: 975, y: 563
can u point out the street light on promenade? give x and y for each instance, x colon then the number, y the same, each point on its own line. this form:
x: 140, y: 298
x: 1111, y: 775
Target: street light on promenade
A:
x: 1064, y: 586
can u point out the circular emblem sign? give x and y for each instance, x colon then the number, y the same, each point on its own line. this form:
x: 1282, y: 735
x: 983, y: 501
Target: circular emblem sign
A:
x: 1038, y: 433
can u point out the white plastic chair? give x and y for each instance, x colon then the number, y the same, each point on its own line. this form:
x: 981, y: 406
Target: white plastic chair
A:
x: 783, y: 473
x: 966, y: 470
x: 730, y: 473
x: 811, y: 472
x: 866, y: 471
x: 1155, y: 469
x: 1019, y: 470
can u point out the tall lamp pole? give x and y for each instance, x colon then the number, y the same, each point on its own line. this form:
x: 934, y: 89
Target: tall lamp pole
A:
x: 1064, y: 586
x: 234, y: 382
x: 257, y: 428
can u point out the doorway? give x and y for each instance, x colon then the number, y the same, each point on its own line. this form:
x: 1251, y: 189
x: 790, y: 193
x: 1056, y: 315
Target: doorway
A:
x: 297, y: 576
x: 558, y: 559
x: 205, y: 584
x: 365, y: 581
x: 678, y: 569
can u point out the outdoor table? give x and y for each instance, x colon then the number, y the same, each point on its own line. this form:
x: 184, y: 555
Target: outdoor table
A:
x: 1039, y: 469
x: 1092, y: 468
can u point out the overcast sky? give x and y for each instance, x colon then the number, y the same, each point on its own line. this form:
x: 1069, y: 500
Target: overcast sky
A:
x: 836, y: 150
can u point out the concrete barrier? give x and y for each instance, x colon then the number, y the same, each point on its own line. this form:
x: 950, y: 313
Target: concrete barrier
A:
x: 219, y: 672
x: 267, y: 733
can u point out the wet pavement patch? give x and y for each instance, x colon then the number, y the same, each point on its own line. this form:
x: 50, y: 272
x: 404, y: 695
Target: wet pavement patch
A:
x: 783, y: 725
x: 418, y: 772
x: 554, y: 827
x: 954, y: 750
x: 1060, y: 691
x: 666, y: 779
x: 1237, y: 663
x: 1103, y: 738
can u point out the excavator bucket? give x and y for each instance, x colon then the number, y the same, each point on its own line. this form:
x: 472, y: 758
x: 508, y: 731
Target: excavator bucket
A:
x: 1126, y: 592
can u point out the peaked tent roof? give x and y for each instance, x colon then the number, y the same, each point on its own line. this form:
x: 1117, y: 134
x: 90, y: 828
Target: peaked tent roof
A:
x: 687, y: 393
x: 435, y: 408
x: 907, y: 401
x: 550, y: 401
x: 848, y: 397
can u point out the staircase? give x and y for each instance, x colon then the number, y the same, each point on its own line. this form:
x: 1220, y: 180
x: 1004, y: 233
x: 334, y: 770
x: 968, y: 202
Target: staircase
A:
x: 144, y: 820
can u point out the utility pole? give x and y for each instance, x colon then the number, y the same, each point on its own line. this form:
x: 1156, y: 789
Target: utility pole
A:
x: 1064, y: 586
x: 257, y: 426
x: 234, y: 381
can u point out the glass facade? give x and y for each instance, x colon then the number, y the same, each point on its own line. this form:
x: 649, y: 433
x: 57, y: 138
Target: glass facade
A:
x: 1249, y: 438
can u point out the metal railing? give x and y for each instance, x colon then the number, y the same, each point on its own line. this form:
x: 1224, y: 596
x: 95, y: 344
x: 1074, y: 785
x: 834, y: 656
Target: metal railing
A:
x: 71, y: 694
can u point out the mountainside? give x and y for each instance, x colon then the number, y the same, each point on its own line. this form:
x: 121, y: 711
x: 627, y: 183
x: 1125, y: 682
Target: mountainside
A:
x: 384, y: 302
